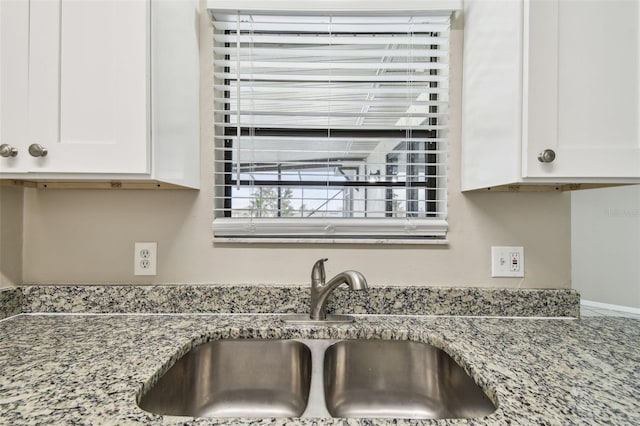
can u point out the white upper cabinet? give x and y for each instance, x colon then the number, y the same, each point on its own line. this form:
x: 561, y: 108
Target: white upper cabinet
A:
x: 85, y: 78
x: 14, y: 84
x: 88, y: 86
x: 558, y: 77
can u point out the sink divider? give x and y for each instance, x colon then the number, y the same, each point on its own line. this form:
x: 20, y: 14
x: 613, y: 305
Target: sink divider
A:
x: 316, y: 406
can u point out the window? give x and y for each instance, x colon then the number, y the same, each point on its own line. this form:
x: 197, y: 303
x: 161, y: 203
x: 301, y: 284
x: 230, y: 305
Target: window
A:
x: 331, y: 126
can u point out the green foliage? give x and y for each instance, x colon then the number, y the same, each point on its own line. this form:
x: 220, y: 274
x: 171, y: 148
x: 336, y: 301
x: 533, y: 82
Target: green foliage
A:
x: 265, y: 203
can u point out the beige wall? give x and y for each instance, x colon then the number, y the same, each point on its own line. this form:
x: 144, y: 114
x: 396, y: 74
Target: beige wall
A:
x: 11, y: 202
x: 606, y: 245
x: 83, y: 236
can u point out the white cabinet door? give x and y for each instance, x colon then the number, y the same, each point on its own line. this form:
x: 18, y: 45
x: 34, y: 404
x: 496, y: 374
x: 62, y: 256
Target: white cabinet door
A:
x: 14, y: 67
x: 89, y: 86
x: 584, y: 89
x: 559, y: 75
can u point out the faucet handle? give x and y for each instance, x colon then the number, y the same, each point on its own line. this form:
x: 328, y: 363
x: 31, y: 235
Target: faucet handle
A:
x: 318, y: 276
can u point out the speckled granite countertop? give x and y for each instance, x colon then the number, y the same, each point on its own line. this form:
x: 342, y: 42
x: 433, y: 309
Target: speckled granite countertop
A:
x: 384, y: 300
x: 88, y: 369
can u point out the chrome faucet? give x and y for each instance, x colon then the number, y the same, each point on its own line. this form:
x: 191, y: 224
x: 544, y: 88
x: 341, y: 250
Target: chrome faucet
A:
x: 320, y: 290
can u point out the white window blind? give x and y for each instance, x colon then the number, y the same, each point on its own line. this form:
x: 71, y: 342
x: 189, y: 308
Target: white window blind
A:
x: 331, y: 126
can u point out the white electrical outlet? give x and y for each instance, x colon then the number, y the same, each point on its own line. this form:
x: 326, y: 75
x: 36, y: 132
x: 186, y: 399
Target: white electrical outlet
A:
x: 145, y: 258
x: 507, y: 261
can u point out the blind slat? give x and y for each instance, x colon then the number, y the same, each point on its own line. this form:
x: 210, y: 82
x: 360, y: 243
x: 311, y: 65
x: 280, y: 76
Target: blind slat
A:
x: 313, y: 27
x: 319, y: 101
x: 323, y: 139
x: 248, y: 64
x: 329, y: 88
x: 322, y: 52
x: 287, y: 125
x: 335, y: 40
x: 344, y: 77
x: 368, y: 114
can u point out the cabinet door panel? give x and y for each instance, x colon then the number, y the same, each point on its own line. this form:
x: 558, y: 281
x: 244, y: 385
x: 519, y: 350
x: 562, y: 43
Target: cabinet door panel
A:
x: 598, y: 93
x: 89, y: 87
x: 14, y: 64
x: 44, y: 75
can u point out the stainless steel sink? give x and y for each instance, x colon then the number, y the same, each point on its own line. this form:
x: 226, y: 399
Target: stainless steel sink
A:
x: 235, y: 378
x: 317, y: 378
x: 398, y: 379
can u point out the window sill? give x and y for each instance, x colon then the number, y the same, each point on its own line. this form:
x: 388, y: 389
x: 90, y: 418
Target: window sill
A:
x: 385, y: 241
x: 330, y: 231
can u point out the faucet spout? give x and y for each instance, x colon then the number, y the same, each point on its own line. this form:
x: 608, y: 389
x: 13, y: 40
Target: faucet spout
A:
x: 320, y: 290
x: 318, y: 275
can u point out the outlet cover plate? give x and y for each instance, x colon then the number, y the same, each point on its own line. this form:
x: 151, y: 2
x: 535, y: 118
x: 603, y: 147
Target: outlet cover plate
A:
x: 507, y: 261
x: 145, y: 258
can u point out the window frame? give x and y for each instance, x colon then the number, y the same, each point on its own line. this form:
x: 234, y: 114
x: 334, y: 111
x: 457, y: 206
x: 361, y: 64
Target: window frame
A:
x: 428, y: 230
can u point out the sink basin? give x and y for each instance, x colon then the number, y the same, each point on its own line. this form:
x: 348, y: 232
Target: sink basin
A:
x: 398, y: 379
x: 235, y: 378
x: 317, y: 378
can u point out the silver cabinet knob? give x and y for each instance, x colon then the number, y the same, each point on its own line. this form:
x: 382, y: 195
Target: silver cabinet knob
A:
x: 547, y: 156
x: 37, y: 150
x: 7, y: 151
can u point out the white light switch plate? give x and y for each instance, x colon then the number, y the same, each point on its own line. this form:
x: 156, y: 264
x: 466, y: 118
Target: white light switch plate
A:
x: 507, y: 261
